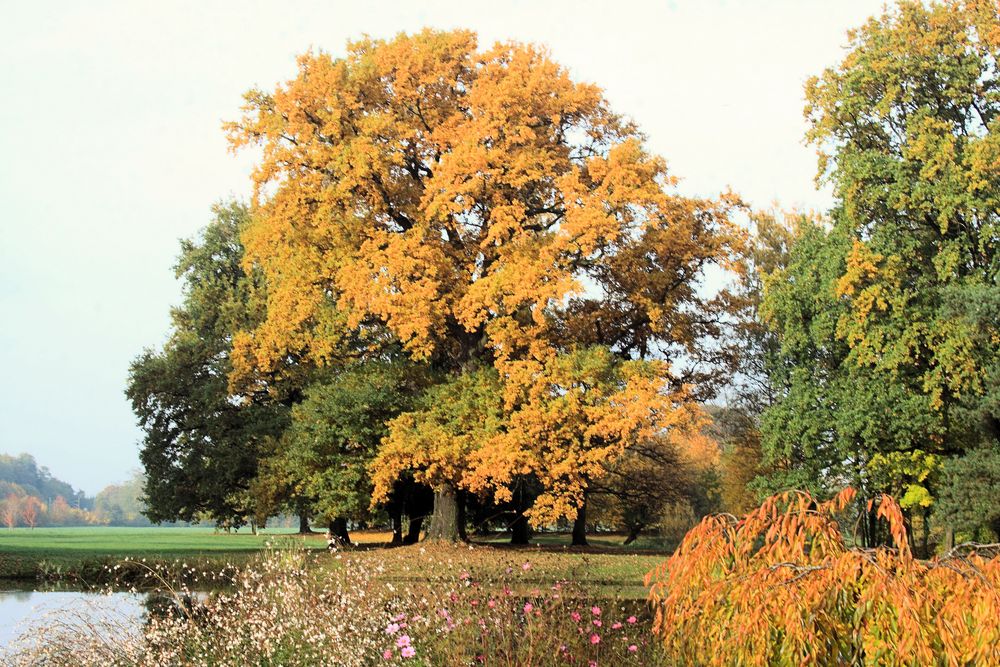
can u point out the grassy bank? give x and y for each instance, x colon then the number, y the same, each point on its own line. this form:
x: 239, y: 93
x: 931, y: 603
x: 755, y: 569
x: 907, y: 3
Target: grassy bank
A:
x: 421, y: 605
x: 605, y: 573
x: 89, y: 556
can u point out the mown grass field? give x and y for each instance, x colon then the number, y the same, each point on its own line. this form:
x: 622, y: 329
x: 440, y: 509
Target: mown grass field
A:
x: 82, y: 552
x: 87, y: 555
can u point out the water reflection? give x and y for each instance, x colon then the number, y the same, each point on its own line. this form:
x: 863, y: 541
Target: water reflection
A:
x: 23, y: 608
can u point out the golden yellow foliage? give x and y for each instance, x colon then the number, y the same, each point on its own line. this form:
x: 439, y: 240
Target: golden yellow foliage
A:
x: 579, y: 412
x: 485, y: 211
x: 460, y: 199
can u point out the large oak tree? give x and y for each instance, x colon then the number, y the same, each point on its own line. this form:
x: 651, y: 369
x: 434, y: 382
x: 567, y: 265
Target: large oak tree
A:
x: 486, y: 211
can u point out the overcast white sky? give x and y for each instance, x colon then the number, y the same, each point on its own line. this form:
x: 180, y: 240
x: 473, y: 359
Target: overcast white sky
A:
x: 111, y: 150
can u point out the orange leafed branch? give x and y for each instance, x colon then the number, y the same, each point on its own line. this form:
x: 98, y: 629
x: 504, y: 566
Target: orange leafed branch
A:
x: 782, y: 586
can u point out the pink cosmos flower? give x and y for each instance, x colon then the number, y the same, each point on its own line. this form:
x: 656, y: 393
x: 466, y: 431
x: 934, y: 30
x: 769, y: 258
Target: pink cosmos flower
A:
x: 408, y: 652
x: 387, y: 654
x: 597, y: 622
x: 616, y: 626
x: 632, y: 648
x: 592, y: 663
x: 631, y: 620
x: 595, y: 610
x: 575, y: 616
x: 595, y: 638
x: 528, y: 607
x: 526, y: 566
x: 403, y: 641
x: 392, y: 628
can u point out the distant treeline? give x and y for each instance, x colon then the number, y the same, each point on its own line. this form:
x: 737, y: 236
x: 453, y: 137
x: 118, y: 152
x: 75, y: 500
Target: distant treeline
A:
x: 31, y: 496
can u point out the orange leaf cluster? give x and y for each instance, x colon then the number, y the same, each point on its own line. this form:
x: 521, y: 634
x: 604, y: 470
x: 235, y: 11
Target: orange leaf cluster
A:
x: 576, y: 413
x: 781, y: 587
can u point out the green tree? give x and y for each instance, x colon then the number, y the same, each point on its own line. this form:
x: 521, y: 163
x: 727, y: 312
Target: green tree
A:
x: 335, y: 433
x: 122, y: 504
x: 832, y: 416
x: 202, y: 444
x: 907, y: 128
x: 755, y: 350
x: 34, y: 480
x: 888, y: 320
x: 970, y: 492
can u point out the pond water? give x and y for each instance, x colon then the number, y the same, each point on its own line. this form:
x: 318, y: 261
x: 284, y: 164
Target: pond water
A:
x: 22, y: 609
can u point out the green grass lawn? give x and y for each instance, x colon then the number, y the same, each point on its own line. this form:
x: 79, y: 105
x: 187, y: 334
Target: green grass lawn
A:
x: 48, y: 552
x: 84, y: 555
x: 604, y: 573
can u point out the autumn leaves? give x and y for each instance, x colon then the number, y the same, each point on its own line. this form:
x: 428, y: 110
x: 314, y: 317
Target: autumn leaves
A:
x: 482, y: 214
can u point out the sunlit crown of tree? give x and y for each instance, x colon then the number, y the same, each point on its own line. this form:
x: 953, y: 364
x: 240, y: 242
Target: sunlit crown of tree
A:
x: 907, y: 128
x: 498, y: 221
x: 474, y: 204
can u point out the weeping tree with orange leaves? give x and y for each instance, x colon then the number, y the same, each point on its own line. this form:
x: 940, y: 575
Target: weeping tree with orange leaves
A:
x: 781, y: 586
x: 493, y: 218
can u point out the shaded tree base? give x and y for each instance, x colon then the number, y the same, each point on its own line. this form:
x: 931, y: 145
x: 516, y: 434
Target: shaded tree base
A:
x: 448, y: 519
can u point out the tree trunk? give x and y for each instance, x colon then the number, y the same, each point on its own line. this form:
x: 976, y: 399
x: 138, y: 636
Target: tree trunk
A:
x: 871, y: 537
x: 580, y: 525
x: 519, y: 527
x: 304, y: 528
x: 926, y: 536
x: 396, y: 514
x: 447, y: 520
x: 633, y: 535
x: 413, y: 530
x: 338, y: 528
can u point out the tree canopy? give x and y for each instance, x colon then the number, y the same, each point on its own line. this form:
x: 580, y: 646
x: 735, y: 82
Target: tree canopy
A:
x: 462, y: 271
x: 886, y: 315
x: 907, y: 128
x: 484, y: 210
x: 201, y: 448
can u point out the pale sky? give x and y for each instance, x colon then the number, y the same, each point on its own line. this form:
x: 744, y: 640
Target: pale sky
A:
x: 111, y: 151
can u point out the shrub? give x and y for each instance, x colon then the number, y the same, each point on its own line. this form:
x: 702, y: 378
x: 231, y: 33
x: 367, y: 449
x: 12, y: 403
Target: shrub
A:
x: 781, y: 587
